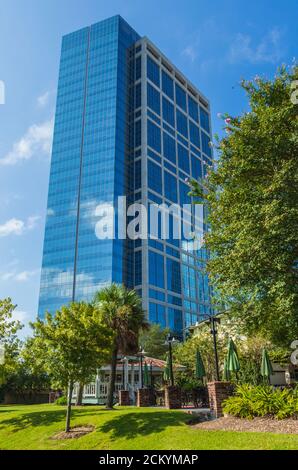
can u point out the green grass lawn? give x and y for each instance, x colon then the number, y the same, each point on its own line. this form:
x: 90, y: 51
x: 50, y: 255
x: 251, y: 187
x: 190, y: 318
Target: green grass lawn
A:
x: 31, y: 427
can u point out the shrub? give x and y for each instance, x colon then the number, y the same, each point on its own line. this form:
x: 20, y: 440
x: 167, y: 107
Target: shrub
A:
x: 61, y: 401
x: 252, y: 401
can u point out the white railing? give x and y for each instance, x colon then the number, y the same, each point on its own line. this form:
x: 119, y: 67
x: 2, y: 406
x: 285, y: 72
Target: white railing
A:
x: 90, y: 390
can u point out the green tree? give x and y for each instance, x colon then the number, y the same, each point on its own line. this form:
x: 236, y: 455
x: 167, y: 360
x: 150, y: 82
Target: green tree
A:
x: 72, y: 345
x: 8, y: 326
x: 24, y: 371
x: 249, y: 351
x: 123, y: 313
x: 202, y: 340
x: 9, y: 343
x: 152, y: 340
x: 252, y: 199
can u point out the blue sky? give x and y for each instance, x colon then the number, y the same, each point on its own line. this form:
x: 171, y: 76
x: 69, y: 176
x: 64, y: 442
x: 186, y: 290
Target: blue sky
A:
x: 214, y: 43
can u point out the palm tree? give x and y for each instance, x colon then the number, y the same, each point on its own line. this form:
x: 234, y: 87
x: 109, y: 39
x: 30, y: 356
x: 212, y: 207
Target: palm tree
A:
x: 121, y: 311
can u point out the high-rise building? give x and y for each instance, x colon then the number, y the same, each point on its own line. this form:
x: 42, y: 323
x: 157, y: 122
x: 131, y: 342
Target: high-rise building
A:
x: 128, y: 123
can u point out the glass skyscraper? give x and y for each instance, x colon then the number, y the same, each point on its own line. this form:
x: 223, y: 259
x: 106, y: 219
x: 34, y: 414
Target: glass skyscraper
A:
x: 128, y: 123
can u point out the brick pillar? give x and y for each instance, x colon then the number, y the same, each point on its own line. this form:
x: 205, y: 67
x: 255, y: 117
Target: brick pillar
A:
x: 124, y: 399
x: 218, y: 392
x: 173, y: 397
x: 145, y: 397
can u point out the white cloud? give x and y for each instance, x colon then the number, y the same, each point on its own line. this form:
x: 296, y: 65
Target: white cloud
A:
x: 208, y: 32
x: 7, y: 276
x: 190, y: 52
x: 12, y: 227
x: 267, y: 50
x: 18, y: 227
x: 25, y: 318
x: 20, y: 315
x: 22, y: 276
x: 32, y: 221
x: 36, y: 141
x: 43, y: 99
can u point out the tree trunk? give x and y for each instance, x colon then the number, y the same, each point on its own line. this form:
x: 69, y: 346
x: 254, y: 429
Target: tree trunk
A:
x: 79, y: 399
x: 110, y: 400
x: 70, y: 390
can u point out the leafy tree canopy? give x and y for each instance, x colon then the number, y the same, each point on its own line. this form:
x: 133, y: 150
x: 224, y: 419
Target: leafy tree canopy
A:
x: 72, y: 344
x: 252, y: 199
x: 8, y: 326
x: 152, y: 340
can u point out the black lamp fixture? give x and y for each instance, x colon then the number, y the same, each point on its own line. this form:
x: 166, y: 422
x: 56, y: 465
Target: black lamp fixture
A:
x: 141, y: 355
x: 213, y: 320
x: 169, y: 342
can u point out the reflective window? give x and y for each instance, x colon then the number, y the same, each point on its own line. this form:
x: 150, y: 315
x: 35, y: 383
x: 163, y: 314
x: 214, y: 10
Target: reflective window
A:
x: 169, y: 148
x: 175, y: 320
x: 184, y: 190
x: 157, y: 295
x: 168, y: 111
x: 138, y: 268
x: 170, y: 186
x: 189, y: 281
x: 183, y: 158
x: 167, y: 85
x: 153, y: 136
x: 153, y: 71
x: 205, y: 144
x: 180, y: 97
x: 172, y: 299
x: 138, y: 133
x: 173, y: 240
x: 154, y: 177
x: 138, y: 68
x: 157, y: 314
x: 193, y: 109
x: 194, y: 134
x: 138, y: 96
x: 156, y: 269
x: 153, y: 98
x: 196, y: 167
x: 173, y: 276
x: 138, y: 174
x: 181, y: 123
x: 204, y: 116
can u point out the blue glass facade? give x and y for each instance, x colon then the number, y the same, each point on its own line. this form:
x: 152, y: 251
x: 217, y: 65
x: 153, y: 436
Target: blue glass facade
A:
x: 175, y: 287
x: 88, y: 167
x: 127, y: 123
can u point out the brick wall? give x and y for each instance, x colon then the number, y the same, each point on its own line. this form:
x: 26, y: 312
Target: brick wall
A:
x: 173, y: 397
x: 218, y: 392
x: 124, y: 399
x: 145, y: 397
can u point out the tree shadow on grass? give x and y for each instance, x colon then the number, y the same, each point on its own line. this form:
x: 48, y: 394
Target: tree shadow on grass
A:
x: 132, y: 425
x: 41, y: 418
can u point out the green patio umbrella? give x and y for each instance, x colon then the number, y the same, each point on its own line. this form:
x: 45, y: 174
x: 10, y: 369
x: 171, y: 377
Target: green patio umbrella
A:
x: 226, y: 372
x: 266, y: 366
x: 200, y: 368
x: 233, y: 364
x: 166, y: 372
x: 146, y: 375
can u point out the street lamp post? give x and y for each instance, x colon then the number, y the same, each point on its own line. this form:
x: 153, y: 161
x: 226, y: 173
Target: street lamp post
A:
x: 123, y: 378
x: 141, y: 354
x: 170, y: 340
x: 212, y: 320
x: 213, y: 331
